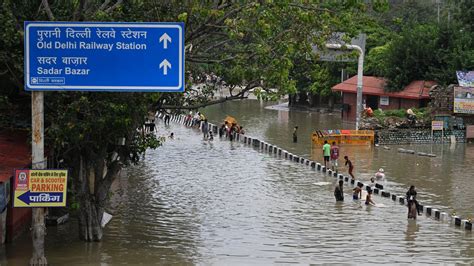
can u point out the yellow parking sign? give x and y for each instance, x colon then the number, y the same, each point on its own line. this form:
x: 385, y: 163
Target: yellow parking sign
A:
x: 40, y: 188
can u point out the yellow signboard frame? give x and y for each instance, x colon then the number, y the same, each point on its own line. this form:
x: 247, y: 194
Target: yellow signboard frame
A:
x: 40, y: 188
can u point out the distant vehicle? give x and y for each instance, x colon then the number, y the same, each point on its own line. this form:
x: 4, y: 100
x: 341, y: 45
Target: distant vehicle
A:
x: 343, y: 137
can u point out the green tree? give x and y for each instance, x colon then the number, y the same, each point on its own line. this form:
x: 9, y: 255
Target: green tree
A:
x: 411, y: 56
x: 236, y: 44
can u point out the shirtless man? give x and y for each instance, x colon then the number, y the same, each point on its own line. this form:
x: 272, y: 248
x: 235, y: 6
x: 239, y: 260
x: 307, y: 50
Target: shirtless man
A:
x: 351, y: 167
x: 357, y: 192
x: 368, y: 198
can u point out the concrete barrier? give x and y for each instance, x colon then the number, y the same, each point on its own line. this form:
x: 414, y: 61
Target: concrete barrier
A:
x: 378, y: 186
x: 457, y: 220
x: 425, y: 209
x: 307, y: 162
x: 394, y: 197
x: 376, y: 191
x: 318, y: 166
x: 323, y: 168
x: 346, y: 179
x: 437, y: 213
x: 286, y: 154
x: 290, y: 156
x: 428, y: 210
x: 256, y: 143
x: 401, y: 200
x: 443, y: 216
x: 296, y: 159
x: 385, y: 194
x: 279, y: 152
x: 468, y: 226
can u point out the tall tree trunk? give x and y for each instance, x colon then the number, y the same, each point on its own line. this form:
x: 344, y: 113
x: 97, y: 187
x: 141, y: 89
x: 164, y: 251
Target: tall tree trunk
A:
x: 90, y: 217
x: 331, y: 102
x: 92, y: 189
x: 292, y: 99
x: 315, y: 100
x: 303, y: 98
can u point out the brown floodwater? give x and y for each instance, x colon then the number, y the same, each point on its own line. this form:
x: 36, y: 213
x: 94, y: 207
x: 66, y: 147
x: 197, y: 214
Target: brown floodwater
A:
x: 224, y: 203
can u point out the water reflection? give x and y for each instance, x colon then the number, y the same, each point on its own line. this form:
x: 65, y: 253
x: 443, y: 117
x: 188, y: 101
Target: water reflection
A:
x: 444, y: 181
x: 224, y: 203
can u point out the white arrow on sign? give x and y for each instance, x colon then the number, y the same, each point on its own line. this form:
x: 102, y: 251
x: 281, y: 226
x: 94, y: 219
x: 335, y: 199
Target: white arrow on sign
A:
x: 165, y: 64
x: 165, y: 38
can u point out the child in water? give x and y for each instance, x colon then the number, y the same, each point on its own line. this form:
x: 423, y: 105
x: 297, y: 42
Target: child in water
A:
x: 357, y: 192
x: 368, y: 198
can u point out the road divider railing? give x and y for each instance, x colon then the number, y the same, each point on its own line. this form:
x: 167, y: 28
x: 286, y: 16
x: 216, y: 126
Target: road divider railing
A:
x: 378, y: 189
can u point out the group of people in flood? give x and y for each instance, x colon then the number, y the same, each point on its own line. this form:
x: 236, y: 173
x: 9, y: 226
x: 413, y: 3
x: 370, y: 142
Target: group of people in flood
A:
x: 412, y: 203
x: 356, y: 193
x: 199, y: 121
x: 228, y: 130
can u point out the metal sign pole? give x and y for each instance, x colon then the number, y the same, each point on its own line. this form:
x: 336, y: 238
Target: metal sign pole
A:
x: 38, y: 228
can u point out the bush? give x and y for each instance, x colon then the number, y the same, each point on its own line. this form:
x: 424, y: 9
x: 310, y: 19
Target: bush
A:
x: 421, y: 113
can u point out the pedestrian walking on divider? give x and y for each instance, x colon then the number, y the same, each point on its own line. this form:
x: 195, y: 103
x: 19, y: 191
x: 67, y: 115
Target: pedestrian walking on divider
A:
x: 326, y: 153
x: 152, y: 126
x: 222, y: 131
x: 295, y: 134
x: 334, y: 156
x: 167, y: 119
x: 205, y: 129
x: 350, y: 165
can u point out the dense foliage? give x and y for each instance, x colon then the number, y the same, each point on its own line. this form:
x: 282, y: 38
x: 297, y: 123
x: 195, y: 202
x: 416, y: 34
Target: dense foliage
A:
x: 237, y: 45
x: 423, y: 44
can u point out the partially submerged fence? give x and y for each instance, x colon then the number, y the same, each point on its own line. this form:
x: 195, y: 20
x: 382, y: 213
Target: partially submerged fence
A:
x: 378, y: 189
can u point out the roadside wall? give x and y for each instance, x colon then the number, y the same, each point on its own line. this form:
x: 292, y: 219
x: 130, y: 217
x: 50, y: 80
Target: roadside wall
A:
x: 418, y: 136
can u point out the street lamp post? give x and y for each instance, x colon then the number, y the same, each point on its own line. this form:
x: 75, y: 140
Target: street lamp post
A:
x: 360, y: 71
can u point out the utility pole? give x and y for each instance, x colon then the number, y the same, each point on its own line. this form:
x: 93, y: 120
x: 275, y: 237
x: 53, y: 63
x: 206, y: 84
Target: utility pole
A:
x: 438, y: 2
x: 360, y: 71
x: 38, y: 228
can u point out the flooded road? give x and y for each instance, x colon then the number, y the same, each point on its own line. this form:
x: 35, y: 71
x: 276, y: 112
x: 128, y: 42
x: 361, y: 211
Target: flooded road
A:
x: 223, y: 203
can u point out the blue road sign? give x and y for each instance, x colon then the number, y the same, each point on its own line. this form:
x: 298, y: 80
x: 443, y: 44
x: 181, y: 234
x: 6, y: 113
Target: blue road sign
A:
x: 102, y: 56
x: 41, y: 197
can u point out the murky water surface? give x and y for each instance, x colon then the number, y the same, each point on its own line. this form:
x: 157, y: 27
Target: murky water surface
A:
x: 221, y: 203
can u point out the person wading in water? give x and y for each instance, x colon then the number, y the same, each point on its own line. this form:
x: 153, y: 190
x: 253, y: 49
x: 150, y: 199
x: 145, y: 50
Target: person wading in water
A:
x: 295, y: 136
x: 338, y: 191
x: 413, y: 206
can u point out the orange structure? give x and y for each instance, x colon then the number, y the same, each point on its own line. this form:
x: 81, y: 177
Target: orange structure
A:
x: 343, y: 137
